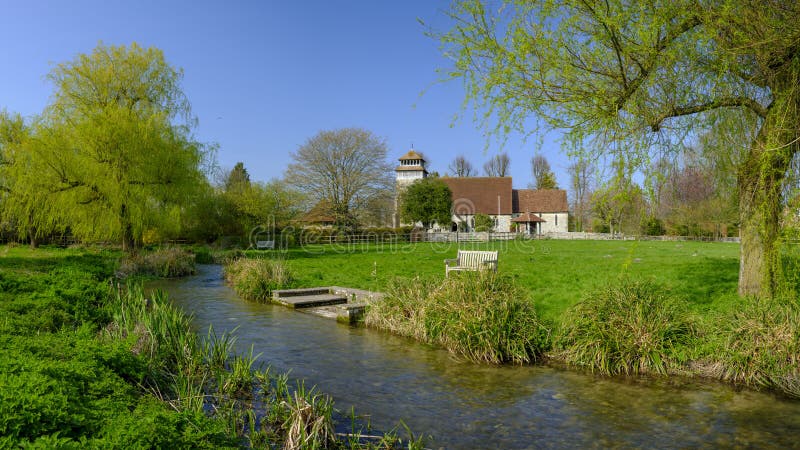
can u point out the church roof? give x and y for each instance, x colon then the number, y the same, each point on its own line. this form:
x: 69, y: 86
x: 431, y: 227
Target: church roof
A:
x: 410, y: 155
x: 480, y: 195
x: 540, y: 200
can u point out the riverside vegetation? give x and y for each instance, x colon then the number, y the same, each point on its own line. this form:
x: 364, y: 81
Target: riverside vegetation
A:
x: 631, y: 308
x: 88, y: 361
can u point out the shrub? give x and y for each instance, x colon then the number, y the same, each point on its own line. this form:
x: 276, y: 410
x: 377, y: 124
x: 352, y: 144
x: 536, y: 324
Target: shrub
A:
x: 168, y: 262
x: 255, y: 279
x: 758, y: 344
x: 630, y: 328
x: 481, y: 316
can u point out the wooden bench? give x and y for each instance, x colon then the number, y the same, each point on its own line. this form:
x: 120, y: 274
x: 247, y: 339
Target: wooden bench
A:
x: 265, y: 245
x: 471, y: 260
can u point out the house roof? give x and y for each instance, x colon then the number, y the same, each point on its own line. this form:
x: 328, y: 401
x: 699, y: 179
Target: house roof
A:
x: 480, y: 195
x: 320, y: 213
x: 406, y: 168
x: 540, y: 200
x: 410, y: 155
x: 528, y: 218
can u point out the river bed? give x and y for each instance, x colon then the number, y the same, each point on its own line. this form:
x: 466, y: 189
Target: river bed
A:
x: 464, y: 405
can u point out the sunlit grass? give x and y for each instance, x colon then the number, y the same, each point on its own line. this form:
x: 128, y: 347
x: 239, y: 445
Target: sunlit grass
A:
x: 555, y: 274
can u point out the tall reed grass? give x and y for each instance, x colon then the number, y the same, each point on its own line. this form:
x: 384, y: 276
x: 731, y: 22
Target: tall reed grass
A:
x: 757, y: 344
x: 170, y: 262
x: 483, y: 317
x: 199, y: 376
x: 627, y: 328
x: 256, y: 278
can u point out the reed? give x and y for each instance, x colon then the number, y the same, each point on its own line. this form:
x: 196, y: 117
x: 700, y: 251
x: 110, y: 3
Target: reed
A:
x: 483, y: 317
x: 629, y: 327
x: 170, y: 262
x: 256, y: 278
x: 757, y: 344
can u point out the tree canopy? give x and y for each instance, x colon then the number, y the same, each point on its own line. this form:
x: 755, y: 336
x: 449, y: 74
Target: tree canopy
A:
x: 113, y: 152
x: 543, y: 176
x: 636, y: 78
x: 345, y: 167
x: 426, y: 200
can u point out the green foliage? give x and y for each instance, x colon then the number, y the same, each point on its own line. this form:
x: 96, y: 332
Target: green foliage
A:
x: 627, y: 328
x: 483, y: 222
x: 653, y: 226
x: 133, y: 160
x: 483, y: 317
x: 255, y: 279
x: 427, y: 200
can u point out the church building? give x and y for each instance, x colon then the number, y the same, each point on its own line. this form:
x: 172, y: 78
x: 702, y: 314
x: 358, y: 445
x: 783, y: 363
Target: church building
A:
x: 532, y: 211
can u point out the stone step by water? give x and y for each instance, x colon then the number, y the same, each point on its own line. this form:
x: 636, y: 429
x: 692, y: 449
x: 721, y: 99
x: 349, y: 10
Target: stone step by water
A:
x: 307, y: 298
x: 345, y: 305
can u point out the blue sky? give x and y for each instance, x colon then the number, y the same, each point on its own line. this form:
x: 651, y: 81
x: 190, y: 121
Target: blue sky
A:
x: 264, y: 76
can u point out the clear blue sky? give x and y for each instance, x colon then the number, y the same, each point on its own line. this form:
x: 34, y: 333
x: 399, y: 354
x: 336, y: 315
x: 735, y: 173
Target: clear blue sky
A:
x: 264, y: 76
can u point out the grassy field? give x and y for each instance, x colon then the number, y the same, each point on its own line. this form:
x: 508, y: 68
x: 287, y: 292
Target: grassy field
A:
x: 554, y: 273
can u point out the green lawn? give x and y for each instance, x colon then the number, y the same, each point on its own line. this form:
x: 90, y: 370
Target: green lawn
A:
x: 555, y: 273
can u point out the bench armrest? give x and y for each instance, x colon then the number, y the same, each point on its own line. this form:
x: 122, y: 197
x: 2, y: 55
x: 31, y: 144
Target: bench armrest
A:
x: 447, y: 262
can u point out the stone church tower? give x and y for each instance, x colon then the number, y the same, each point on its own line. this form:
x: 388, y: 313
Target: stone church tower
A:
x: 411, y: 168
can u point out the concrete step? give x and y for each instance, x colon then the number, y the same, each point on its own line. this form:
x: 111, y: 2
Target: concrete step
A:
x: 283, y: 293
x: 310, y: 301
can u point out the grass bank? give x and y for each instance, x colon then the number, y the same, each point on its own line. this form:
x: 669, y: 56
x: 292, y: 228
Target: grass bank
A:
x: 86, y: 362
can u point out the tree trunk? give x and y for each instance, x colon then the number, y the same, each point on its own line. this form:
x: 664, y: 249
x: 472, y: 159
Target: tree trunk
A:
x: 34, y: 241
x: 128, y: 240
x: 761, y: 178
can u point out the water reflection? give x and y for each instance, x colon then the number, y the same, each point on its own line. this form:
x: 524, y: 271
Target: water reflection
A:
x: 463, y: 405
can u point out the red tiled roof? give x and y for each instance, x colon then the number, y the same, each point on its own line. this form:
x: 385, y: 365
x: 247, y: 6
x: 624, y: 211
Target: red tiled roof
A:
x: 320, y: 213
x: 540, y: 200
x: 480, y: 195
x: 528, y: 217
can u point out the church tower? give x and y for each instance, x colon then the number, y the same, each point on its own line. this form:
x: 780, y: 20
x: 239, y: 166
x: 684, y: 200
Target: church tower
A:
x: 411, y: 168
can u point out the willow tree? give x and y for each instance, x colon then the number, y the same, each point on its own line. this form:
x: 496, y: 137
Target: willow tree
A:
x: 24, y: 203
x: 641, y: 77
x: 122, y: 157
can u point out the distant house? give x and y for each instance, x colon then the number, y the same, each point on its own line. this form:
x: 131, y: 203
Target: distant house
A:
x: 320, y: 215
x: 534, y: 211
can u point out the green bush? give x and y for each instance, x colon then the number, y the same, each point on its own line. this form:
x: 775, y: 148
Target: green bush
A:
x: 203, y: 255
x: 626, y: 328
x: 482, y: 316
x: 256, y: 278
x: 757, y: 344
x: 168, y: 262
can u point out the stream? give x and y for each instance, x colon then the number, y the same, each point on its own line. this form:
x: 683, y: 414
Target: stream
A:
x: 464, y: 405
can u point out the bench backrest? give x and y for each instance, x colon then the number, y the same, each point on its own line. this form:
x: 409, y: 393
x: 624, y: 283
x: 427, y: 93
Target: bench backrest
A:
x: 475, y: 258
x: 265, y: 244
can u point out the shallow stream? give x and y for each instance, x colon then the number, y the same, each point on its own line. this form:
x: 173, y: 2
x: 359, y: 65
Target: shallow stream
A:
x: 463, y: 405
